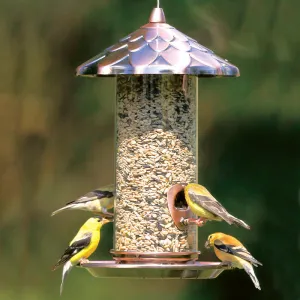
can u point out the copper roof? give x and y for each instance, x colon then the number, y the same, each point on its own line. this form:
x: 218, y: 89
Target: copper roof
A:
x: 157, y: 48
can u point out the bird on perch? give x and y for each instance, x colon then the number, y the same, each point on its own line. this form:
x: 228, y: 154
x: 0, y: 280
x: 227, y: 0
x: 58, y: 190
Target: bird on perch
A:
x: 97, y: 201
x: 81, y: 247
x: 205, y: 206
x: 233, y: 254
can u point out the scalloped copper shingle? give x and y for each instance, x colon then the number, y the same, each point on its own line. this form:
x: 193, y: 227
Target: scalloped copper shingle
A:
x: 157, y: 48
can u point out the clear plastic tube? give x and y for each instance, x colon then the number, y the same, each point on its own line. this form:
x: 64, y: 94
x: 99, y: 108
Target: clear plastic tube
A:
x: 156, y: 138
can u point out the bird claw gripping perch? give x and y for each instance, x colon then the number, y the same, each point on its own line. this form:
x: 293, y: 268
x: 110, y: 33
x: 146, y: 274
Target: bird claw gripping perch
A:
x: 227, y: 264
x: 199, y: 222
x: 107, y: 215
x: 83, y: 261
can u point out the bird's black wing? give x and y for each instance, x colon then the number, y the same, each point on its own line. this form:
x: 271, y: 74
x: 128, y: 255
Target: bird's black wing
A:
x: 238, y: 251
x: 73, y: 249
x: 210, y: 204
x: 96, y: 194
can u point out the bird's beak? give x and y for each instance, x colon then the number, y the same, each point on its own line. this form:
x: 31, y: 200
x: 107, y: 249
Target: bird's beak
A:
x: 104, y: 221
x: 207, y: 245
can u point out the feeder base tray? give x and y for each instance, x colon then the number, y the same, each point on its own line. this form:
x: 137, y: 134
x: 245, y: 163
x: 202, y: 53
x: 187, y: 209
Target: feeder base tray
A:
x: 192, y: 270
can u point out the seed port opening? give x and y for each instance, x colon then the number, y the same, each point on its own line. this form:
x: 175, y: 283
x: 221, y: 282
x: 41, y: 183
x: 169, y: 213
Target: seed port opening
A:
x: 180, y: 201
x: 178, y: 206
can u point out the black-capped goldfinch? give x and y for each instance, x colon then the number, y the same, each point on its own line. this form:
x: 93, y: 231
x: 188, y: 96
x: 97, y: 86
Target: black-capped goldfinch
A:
x: 205, y: 206
x: 81, y: 247
x: 97, y: 201
x: 232, y: 252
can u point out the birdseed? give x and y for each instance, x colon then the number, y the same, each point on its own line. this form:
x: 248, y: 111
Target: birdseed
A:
x: 156, y: 139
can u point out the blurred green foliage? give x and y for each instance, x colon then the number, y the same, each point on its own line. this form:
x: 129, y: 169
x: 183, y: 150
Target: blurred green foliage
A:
x: 57, y: 140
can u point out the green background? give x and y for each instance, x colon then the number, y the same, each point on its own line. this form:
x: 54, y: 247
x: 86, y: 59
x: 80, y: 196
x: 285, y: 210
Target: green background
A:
x: 57, y: 140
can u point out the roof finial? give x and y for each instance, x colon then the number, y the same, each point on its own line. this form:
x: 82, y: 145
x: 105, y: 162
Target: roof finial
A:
x: 157, y: 15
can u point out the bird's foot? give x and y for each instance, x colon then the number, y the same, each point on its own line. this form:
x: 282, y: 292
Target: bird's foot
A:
x: 199, y: 222
x: 83, y: 261
x: 107, y: 215
x: 227, y: 264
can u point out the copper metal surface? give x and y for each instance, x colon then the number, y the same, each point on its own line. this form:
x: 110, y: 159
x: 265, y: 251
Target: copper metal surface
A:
x: 155, y: 257
x: 157, y: 16
x: 157, y: 48
x: 193, y: 270
x: 178, y: 213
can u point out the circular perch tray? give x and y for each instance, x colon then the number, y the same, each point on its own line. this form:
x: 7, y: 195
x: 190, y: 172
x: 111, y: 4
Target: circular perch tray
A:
x: 190, y: 270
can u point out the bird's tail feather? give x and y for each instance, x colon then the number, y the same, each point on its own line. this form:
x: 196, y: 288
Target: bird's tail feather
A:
x: 67, y: 268
x: 249, y: 269
x: 60, y: 210
x: 238, y: 222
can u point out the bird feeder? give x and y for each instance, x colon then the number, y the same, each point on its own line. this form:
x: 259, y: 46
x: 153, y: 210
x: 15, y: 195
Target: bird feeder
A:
x: 156, y: 69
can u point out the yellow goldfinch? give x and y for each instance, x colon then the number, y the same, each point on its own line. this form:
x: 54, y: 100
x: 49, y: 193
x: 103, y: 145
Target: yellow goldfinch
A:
x: 205, y: 206
x: 97, y: 201
x: 82, y: 246
x: 232, y: 252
